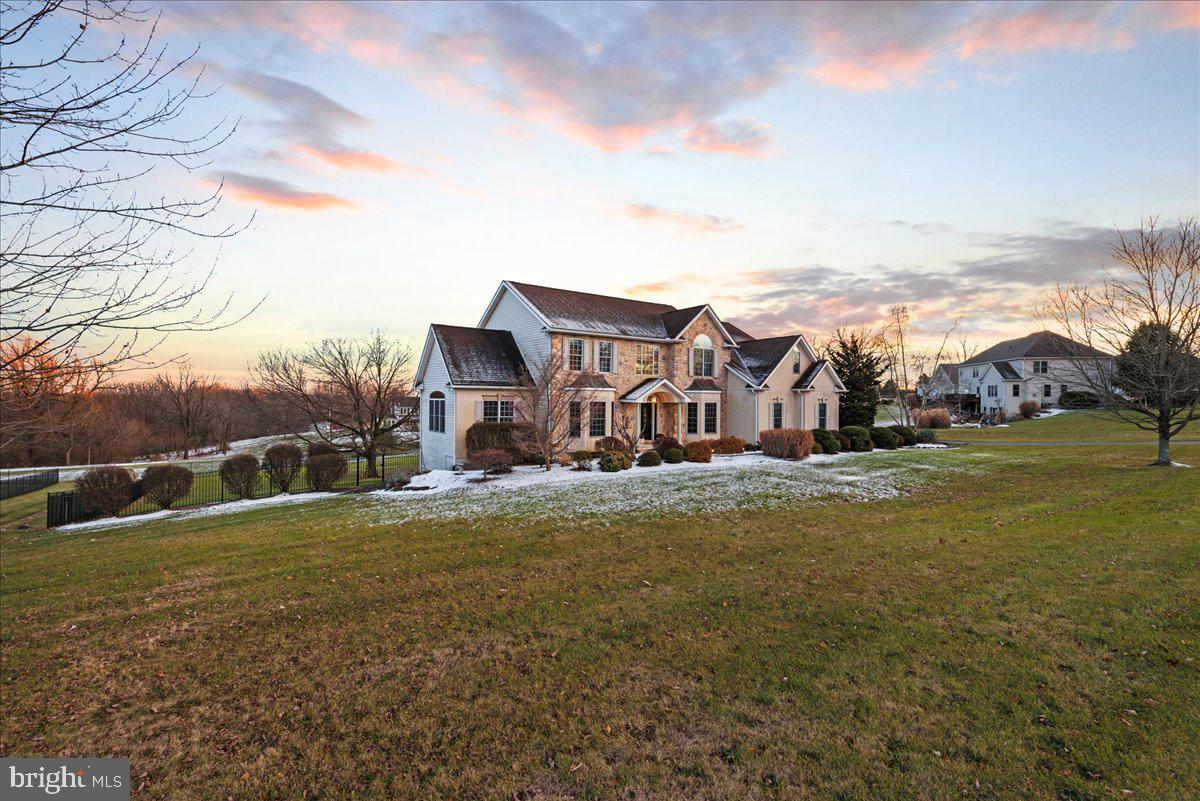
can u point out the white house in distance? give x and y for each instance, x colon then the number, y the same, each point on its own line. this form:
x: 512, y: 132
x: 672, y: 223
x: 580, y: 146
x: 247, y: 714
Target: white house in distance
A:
x: 1038, y: 367
x: 682, y: 372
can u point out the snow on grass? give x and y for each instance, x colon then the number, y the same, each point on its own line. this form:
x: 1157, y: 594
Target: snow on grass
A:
x: 747, y: 481
x: 232, y: 507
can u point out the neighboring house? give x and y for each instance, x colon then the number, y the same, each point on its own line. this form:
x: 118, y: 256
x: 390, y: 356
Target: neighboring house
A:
x: 682, y: 372
x: 941, y: 386
x: 1038, y: 367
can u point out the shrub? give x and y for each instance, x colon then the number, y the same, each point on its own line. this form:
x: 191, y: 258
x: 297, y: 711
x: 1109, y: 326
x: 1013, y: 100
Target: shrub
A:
x: 674, y: 455
x: 664, y: 442
x: 728, y: 445
x: 1074, y: 399
x: 926, y: 436
x: 827, y: 440
x: 610, y: 444
x: 320, y: 449
x: 999, y: 416
x: 614, y: 461
x: 239, y: 474
x: 325, y: 470
x: 650, y: 459
x: 493, y: 461
x: 490, y: 436
x: 105, y: 490
x: 699, y: 451
x: 1029, y: 408
x: 583, y: 459
x: 399, y: 479
x: 908, y: 436
x: 817, y: 449
x: 282, y: 463
x: 842, y: 440
x: 166, y: 484
x: 860, y: 438
x: 885, y: 438
x: 931, y: 418
x: 786, y: 443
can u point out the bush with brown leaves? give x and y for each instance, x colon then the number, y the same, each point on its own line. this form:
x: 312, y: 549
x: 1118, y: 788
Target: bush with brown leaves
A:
x: 105, y: 490
x: 1029, y: 408
x: 167, y: 484
x: 325, y: 471
x: 239, y: 474
x: 282, y: 463
x: 786, y: 443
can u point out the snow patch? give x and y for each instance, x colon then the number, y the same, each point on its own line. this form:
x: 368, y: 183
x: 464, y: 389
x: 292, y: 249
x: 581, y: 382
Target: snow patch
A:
x: 207, y: 511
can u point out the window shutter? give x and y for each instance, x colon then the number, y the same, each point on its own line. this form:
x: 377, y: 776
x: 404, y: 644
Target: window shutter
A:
x: 478, y: 411
x: 614, y: 355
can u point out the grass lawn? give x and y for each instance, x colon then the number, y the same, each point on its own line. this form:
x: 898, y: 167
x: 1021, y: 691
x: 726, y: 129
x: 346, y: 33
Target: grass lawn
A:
x: 1025, y: 629
x: 1079, y: 426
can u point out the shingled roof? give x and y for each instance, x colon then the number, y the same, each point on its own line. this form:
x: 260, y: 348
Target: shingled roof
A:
x: 758, y: 357
x: 1039, y: 345
x: 739, y: 336
x: 1006, y: 371
x: 809, y: 375
x: 480, y: 357
x: 600, y: 314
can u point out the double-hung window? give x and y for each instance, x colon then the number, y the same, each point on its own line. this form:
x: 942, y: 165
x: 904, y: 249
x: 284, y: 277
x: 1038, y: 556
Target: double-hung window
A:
x: 703, y: 356
x: 693, y: 418
x: 710, y: 418
x: 777, y: 414
x: 1047, y: 390
x: 1016, y: 390
x: 1062, y: 388
x: 597, y: 419
x: 1042, y: 367
x: 974, y: 372
x: 575, y: 354
x: 437, y: 413
x: 498, y: 411
x: 647, y: 359
x: 993, y: 391
x: 604, y: 357
x: 822, y: 414
x: 575, y: 419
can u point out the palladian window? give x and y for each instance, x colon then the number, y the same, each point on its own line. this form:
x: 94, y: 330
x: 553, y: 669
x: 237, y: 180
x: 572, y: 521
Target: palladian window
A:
x: 704, y: 358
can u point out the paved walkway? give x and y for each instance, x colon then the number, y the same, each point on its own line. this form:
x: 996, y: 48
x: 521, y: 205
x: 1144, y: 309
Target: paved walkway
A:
x: 1089, y: 442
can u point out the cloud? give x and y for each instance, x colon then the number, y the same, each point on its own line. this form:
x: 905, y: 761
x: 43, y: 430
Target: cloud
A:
x: 312, y: 122
x: 517, y: 133
x: 255, y: 189
x: 669, y: 285
x: 1061, y: 26
x: 685, y: 222
x: 743, y: 138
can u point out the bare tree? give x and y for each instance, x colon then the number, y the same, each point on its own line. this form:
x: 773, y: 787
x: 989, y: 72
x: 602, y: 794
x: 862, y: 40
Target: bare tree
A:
x: 543, y: 403
x: 89, y: 272
x: 627, y: 426
x: 893, y: 341
x: 346, y: 391
x: 1146, y: 311
x: 186, y: 401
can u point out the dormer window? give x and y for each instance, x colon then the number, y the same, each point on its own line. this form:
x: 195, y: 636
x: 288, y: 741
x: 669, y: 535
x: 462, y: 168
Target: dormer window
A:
x: 704, y: 358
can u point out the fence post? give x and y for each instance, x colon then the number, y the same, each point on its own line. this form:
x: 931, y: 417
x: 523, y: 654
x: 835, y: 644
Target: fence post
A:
x: 357, y: 462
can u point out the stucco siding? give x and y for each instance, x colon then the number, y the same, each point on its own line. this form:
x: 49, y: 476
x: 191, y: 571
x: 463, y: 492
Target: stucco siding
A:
x: 740, y: 404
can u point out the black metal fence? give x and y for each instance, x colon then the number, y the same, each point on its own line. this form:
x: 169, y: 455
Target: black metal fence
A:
x: 27, y: 482
x: 208, y: 489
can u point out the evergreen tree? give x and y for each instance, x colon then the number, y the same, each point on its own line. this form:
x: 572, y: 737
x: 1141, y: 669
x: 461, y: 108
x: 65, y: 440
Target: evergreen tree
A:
x: 860, y: 365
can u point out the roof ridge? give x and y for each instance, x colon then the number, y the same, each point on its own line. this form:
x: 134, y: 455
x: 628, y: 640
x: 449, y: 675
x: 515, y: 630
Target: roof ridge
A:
x: 519, y: 284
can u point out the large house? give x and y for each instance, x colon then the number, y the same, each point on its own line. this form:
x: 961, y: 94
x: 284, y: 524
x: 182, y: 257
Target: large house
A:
x: 1038, y: 367
x: 683, y: 372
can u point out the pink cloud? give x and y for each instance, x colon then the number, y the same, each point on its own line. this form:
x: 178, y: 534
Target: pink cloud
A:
x: 876, y: 72
x: 255, y: 190
x: 518, y: 133
x: 345, y: 158
x: 1067, y: 27
x: 685, y: 222
x: 742, y: 138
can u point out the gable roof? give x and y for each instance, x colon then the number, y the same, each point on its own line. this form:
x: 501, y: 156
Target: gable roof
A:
x: 757, y: 358
x: 652, y: 385
x: 479, y: 357
x: 948, y: 370
x: 1006, y: 371
x: 809, y: 375
x: 1041, y: 344
x: 739, y: 335
x: 586, y: 313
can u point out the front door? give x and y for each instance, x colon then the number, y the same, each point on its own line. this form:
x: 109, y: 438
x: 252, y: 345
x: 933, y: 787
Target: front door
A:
x: 649, y: 423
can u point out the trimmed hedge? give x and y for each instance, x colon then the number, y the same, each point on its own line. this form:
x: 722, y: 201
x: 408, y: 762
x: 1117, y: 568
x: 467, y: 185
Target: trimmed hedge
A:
x: 729, y: 445
x: 325, y: 470
x: 106, y: 490
x: 699, y: 451
x: 674, y: 456
x: 489, y: 436
x: 926, y: 436
x: 859, y: 438
x: 239, y: 474
x: 908, y: 435
x: 320, y: 449
x: 282, y: 463
x: 1075, y: 399
x: 650, y: 459
x: 615, y: 461
x: 166, y: 484
x: 664, y: 442
x: 492, y: 461
x: 610, y: 444
x: 786, y: 443
x: 583, y: 459
x: 885, y: 438
x: 843, y: 441
x: 827, y: 440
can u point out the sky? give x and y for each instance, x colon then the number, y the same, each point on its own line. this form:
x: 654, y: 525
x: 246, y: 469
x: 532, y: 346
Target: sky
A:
x: 797, y: 166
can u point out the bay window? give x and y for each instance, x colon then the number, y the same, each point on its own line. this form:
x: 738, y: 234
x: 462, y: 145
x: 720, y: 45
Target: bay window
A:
x: 598, y: 419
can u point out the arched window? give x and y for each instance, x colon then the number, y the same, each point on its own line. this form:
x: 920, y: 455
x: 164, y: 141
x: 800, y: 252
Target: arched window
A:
x: 437, y: 412
x: 704, y: 358
x: 796, y: 361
